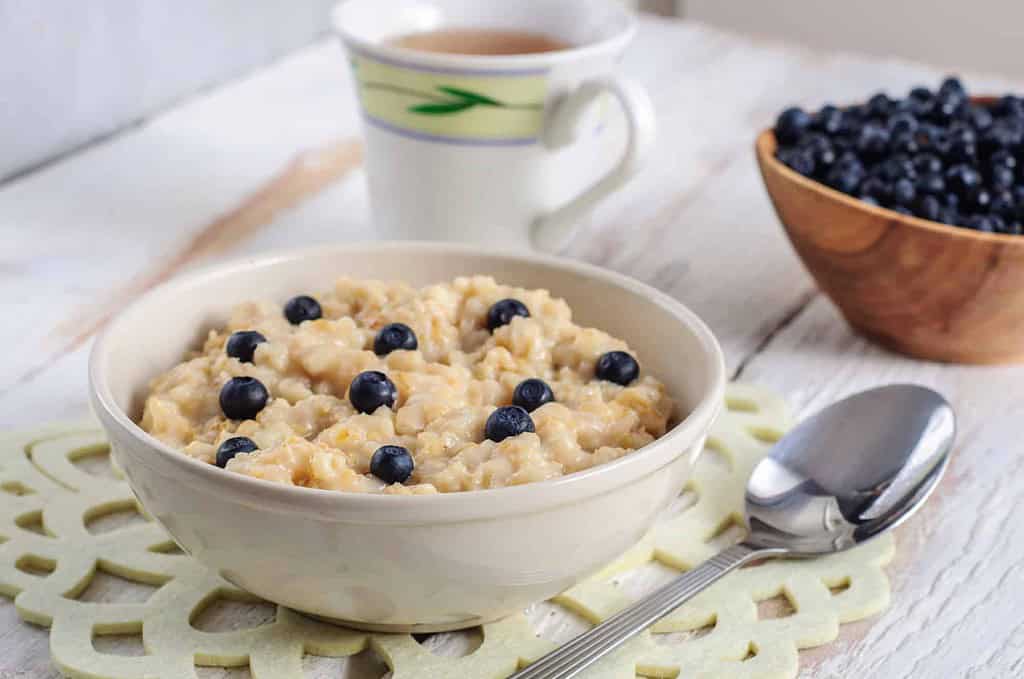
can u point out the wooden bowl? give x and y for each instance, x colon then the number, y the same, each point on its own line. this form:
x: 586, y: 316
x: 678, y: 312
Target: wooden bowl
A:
x: 919, y: 287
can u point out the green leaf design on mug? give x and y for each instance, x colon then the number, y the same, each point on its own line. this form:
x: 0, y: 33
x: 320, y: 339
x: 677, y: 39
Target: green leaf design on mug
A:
x: 466, y: 95
x: 442, y: 108
x: 448, y: 100
x: 463, y: 99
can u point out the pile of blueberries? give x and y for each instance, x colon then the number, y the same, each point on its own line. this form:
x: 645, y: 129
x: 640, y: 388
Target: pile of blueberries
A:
x: 934, y: 155
x: 243, y: 398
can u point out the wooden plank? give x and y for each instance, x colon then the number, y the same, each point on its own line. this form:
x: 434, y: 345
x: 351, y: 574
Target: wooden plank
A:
x: 140, y: 204
x: 955, y: 608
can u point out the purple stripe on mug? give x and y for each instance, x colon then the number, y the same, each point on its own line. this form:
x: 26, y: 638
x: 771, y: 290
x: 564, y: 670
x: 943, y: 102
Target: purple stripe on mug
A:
x: 448, y: 70
x: 423, y: 136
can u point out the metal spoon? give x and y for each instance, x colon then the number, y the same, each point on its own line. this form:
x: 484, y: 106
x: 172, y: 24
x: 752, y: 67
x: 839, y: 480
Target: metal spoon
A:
x: 846, y: 475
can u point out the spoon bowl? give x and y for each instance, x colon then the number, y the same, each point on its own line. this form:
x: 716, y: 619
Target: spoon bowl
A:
x: 844, y: 476
x: 836, y: 480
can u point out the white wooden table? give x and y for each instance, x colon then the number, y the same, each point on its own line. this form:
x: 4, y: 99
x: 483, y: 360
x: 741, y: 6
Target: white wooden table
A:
x: 272, y: 161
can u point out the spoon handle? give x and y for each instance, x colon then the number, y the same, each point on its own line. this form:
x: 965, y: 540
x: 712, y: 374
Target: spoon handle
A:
x: 569, y: 660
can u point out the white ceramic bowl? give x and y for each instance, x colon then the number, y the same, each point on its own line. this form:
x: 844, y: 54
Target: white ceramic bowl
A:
x: 409, y: 563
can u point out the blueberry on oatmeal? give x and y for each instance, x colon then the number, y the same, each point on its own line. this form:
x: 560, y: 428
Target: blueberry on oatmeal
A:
x: 302, y: 308
x: 618, y: 367
x: 242, y: 345
x: 233, y: 446
x: 392, y: 464
x: 242, y: 398
x: 503, y: 311
x: 532, y: 394
x: 508, y: 421
x: 371, y: 390
x: 392, y: 337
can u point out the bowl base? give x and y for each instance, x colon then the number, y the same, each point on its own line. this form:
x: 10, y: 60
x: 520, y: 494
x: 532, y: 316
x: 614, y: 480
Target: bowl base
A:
x: 427, y: 628
x: 939, y: 353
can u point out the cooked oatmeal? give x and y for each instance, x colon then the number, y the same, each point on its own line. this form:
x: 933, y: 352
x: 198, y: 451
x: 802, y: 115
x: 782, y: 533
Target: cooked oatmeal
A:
x: 306, y: 431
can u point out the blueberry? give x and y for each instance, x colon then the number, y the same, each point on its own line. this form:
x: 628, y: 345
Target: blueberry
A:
x: 947, y: 107
x: 928, y: 207
x: 829, y: 119
x: 962, y: 133
x: 394, y: 336
x: 814, y: 141
x: 950, y: 199
x: 845, y: 179
x: 952, y: 85
x: 234, y: 446
x: 532, y: 394
x: 1001, y: 177
x: 392, y: 464
x: 1013, y: 228
x: 876, y: 188
x: 920, y: 94
x: 849, y: 158
x: 856, y: 114
x: 503, y: 311
x: 949, y: 216
x: 903, y: 192
x: 927, y: 162
x: 904, y: 142
x: 932, y: 138
x: 842, y: 143
x: 242, y: 398
x: 979, y: 223
x: 791, y: 124
x: 932, y: 183
x: 872, y: 141
x: 242, y: 345
x: 1010, y: 106
x: 508, y: 421
x: 896, y: 168
x: 921, y: 102
x: 371, y: 390
x: 962, y: 179
x: 998, y: 224
x: 617, y: 366
x: 870, y: 200
x: 902, y: 122
x: 878, y: 105
x: 979, y: 200
x: 978, y: 117
x: 302, y: 308
x: 1002, y: 203
x: 902, y: 210
x: 800, y: 160
x: 824, y: 158
x: 960, y: 151
x: 1003, y: 134
x: 821, y: 151
x: 1004, y: 158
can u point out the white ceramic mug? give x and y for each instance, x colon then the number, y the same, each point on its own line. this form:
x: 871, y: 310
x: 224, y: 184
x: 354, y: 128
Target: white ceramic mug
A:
x: 509, y: 150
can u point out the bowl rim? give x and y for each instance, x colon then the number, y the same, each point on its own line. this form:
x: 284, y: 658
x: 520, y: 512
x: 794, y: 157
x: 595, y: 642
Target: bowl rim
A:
x: 765, y: 146
x: 512, y: 499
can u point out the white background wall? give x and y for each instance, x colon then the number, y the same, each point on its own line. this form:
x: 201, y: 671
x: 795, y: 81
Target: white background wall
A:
x: 979, y: 35
x: 72, y: 70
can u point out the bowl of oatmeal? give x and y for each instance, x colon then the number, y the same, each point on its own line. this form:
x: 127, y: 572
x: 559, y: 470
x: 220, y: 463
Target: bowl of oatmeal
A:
x: 406, y: 436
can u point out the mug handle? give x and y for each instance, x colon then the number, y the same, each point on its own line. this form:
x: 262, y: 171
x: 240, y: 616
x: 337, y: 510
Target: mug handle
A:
x: 552, y: 232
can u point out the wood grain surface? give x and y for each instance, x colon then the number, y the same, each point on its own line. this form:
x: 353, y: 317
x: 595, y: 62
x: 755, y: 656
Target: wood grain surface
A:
x: 696, y: 223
